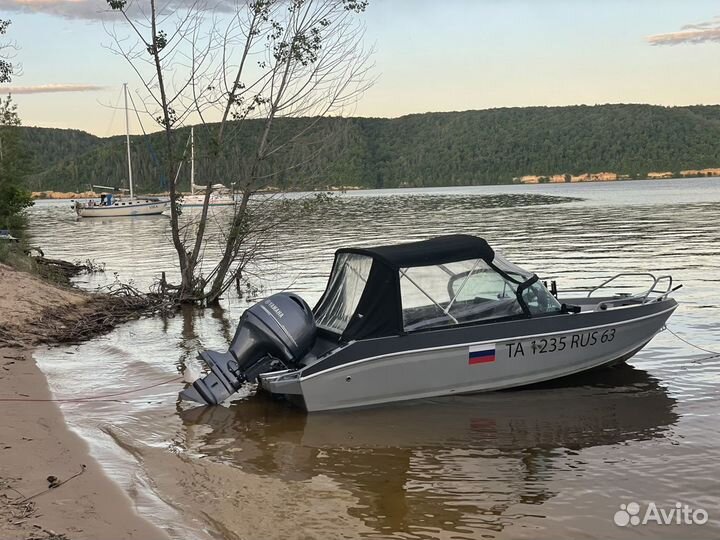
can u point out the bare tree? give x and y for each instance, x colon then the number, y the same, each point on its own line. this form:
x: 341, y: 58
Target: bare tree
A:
x: 7, y: 51
x: 227, y: 64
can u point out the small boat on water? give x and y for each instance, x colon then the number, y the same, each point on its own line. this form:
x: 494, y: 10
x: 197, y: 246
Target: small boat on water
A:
x: 217, y: 198
x: 437, y: 317
x: 111, y: 206
x: 7, y: 237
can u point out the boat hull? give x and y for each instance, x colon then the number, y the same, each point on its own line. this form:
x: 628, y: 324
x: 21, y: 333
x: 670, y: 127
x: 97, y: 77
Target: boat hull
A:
x: 200, y: 205
x: 477, y: 359
x: 123, y: 210
x: 198, y: 201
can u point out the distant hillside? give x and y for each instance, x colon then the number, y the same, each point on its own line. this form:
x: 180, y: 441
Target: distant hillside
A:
x: 433, y: 149
x: 49, y: 146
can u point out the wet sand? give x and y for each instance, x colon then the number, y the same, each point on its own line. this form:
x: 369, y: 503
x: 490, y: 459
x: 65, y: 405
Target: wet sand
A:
x: 36, y: 443
x: 233, y: 504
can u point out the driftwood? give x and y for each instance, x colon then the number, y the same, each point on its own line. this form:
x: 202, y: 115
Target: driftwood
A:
x: 103, y: 311
x: 60, y: 270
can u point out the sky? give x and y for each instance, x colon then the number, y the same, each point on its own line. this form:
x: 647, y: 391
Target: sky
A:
x: 429, y: 56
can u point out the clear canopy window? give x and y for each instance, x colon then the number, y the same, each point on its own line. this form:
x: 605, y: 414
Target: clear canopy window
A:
x: 342, y: 295
x: 467, y: 291
x: 436, y: 283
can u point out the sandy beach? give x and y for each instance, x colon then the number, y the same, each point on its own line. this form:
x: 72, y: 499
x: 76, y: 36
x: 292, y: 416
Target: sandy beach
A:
x: 35, y: 442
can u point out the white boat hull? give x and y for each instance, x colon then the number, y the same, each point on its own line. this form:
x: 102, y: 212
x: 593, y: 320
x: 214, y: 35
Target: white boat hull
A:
x: 197, y: 201
x: 200, y: 205
x: 123, y: 209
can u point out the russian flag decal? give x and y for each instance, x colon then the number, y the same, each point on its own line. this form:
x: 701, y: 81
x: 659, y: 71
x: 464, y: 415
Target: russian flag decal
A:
x: 481, y: 354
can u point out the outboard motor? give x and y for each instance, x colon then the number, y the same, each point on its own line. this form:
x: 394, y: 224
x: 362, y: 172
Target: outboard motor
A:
x: 275, y: 332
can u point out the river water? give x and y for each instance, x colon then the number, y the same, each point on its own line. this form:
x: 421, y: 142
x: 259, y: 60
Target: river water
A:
x: 554, y: 461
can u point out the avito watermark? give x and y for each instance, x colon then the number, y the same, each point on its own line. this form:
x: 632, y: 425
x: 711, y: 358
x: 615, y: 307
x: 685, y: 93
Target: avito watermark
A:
x: 680, y: 514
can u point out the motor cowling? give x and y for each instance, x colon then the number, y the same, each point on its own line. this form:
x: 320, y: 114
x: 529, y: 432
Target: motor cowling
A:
x: 273, y: 334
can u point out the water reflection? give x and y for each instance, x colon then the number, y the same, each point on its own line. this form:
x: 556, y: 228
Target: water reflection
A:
x: 458, y: 464
x: 553, y: 461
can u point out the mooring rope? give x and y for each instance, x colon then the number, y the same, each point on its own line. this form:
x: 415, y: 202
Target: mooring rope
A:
x: 712, y: 354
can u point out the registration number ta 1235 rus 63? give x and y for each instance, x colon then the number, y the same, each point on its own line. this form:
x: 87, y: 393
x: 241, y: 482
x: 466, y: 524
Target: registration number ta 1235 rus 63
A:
x: 581, y: 340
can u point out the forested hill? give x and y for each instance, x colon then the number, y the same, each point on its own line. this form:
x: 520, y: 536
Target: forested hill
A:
x: 46, y: 146
x: 432, y: 149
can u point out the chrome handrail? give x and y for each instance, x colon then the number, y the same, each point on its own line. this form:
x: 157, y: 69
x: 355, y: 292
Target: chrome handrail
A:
x: 644, y: 296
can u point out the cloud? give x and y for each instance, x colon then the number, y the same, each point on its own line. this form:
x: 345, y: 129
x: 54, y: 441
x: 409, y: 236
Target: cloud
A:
x: 99, y: 10
x: 71, y: 9
x: 50, y: 88
x: 704, y: 32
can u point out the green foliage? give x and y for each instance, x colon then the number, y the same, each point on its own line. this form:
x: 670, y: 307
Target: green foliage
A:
x: 19, y: 255
x: 160, y: 43
x: 13, y: 200
x: 433, y: 149
x: 6, y: 67
x: 355, y: 5
x: 46, y: 147
x: 13, y: 166
x: 13, y: 254
x: 116, y: 5
x: 8, y: 112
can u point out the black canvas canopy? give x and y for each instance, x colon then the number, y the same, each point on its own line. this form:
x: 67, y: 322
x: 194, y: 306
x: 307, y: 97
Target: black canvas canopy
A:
x: 439, y: 250
x: 379, y: 310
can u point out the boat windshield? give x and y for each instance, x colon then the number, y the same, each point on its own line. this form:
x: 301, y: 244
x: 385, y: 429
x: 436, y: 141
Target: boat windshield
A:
x: 343, y: 292
x: 469, y: 291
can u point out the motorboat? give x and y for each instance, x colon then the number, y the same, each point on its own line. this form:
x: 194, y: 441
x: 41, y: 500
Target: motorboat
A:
x: 438, y: 317
x: 111, y: 206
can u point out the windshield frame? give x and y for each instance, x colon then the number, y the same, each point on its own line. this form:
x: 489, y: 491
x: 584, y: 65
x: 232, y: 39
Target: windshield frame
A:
x: 522, y: 280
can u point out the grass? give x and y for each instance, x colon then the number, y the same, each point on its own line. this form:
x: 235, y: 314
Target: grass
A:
x: 13, y: 254
x: 16, y: 255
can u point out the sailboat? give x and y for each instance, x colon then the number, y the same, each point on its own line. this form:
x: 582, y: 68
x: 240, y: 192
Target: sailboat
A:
x: 192, y: 200
x: 110, y: 206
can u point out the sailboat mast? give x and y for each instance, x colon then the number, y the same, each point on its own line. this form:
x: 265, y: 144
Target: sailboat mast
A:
x: 127, y: 139
x: 192, y: 160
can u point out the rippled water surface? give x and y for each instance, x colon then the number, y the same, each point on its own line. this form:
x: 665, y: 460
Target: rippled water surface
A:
x: 553, y: 461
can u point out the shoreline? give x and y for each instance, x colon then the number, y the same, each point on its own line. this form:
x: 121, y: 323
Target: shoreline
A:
x: 67, y: 196
x: 36, y: 442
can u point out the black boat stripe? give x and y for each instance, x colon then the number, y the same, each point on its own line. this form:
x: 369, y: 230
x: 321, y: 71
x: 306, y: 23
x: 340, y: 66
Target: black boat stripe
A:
x: 361, y: 351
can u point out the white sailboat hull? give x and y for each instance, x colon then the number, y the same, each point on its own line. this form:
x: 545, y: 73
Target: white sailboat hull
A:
x: 137, y: 207
x: 123, y: 207
x: 196, y: 201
